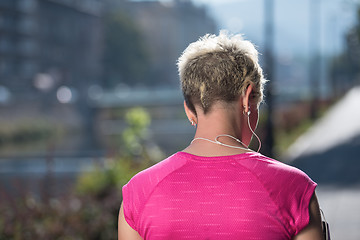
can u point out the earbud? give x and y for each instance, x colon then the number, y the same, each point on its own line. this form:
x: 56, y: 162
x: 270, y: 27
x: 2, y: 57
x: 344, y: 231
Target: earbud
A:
x: 248, y: 112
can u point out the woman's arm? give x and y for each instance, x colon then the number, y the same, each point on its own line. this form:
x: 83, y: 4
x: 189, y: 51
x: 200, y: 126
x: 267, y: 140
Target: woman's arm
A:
x: 125, y: 232
x: 313, y: 231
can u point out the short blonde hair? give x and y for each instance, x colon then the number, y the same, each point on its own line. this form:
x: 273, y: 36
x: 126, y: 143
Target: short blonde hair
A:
x: 219, y: 68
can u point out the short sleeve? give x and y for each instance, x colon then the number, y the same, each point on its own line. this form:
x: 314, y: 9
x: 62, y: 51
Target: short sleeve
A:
x: 302, y: 213
x: 128, y: 206
x: 294, y: 199
x: 289, y: 188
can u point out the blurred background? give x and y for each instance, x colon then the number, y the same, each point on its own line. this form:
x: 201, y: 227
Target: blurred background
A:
x: 89, y: 95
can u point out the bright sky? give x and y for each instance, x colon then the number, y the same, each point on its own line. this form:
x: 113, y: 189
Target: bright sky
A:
x: 291, y: 19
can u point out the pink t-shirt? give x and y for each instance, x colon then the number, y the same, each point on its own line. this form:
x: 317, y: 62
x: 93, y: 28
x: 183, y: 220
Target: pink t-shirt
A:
x: 244, y: 196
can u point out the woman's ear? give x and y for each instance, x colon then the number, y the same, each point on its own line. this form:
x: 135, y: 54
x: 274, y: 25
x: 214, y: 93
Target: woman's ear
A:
x: 190, y: 115
x: 247, y: 97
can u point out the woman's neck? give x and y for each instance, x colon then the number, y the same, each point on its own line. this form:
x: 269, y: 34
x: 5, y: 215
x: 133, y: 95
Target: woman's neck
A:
x: 219, y: 121
x: 213, y: 124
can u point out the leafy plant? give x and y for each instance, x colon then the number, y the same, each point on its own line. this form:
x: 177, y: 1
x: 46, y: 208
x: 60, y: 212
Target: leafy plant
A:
x: 90, y: 211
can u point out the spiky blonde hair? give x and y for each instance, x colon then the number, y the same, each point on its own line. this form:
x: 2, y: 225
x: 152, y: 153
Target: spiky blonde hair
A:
x: 219, y: 68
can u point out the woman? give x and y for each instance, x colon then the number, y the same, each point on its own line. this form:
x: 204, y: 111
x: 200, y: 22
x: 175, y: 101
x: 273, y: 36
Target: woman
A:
x: 217, y: 188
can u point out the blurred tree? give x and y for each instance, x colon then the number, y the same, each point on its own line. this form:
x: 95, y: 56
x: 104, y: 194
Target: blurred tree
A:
x: 345, y: 69
x: 90, y: 211
x: 135, y: 154
x: 353, y: 47
x: 125, y: 56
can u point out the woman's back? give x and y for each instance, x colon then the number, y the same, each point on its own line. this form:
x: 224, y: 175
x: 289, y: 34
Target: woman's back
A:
x: 244, y: 196
x: 241, y: 196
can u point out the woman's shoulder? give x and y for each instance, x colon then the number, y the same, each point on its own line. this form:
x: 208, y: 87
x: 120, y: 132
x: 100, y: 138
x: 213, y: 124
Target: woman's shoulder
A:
x: 282, y: 181
x: 273, y: 169
x: 153, y: 175
x: 290, y: 189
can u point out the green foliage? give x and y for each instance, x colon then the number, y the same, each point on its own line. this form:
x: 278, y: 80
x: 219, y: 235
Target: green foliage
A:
x: 125, y: 55
x: 100, y: 180
x: 94, y: 182
x: 71, y: 218
x: 135, y: 156
x: 285, y: 138
x: 16, y: 133
x: 138, y: 121
x: 91, y: 211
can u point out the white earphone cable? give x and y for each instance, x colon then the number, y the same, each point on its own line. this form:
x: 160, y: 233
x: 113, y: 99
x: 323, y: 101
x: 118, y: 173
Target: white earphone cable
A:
x: 246, y: 147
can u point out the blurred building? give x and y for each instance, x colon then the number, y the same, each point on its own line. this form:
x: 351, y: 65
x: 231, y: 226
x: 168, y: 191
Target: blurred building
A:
x: 51, y: 52
x: 168, y: 27
x: 45, y: 44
